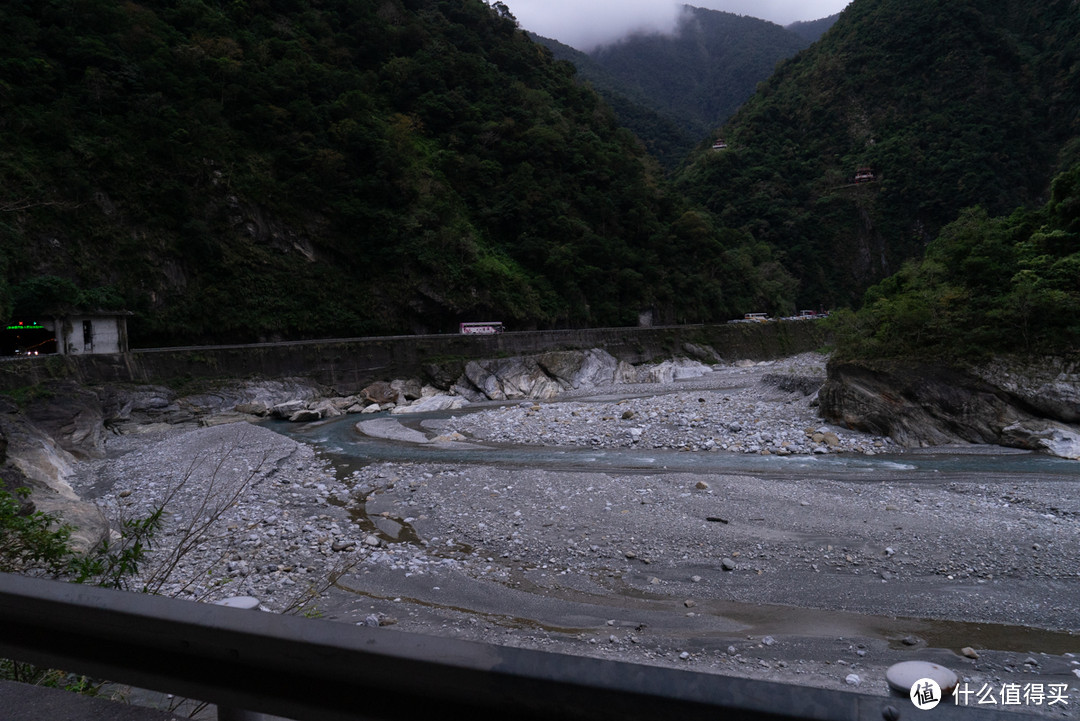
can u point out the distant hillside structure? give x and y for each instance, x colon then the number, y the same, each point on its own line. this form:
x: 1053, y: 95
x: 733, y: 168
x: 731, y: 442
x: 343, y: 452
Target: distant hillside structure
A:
x: 76, y: 334
x: 864, y: 175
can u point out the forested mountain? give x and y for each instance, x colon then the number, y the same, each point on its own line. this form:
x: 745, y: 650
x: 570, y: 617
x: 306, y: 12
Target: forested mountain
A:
x: 812, y: 30
x: 666, y: 139
x: 985, y: 286
x: 302, y: 168
x: 950, y: 105
x: 695, y: 78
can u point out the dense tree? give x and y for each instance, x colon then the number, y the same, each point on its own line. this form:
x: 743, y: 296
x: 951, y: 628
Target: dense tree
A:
x: 987, y: 285
x: 951, y: 105
x: 289, y: 168
x: 673, y: 89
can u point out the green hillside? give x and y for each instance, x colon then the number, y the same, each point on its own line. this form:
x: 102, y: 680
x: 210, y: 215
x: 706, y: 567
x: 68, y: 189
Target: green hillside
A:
x: 302, y: 168
x: 693, y: 80
x: 951, y: 105
x: 664, y: 136
x: 985, y: 286
x: 812, y: 30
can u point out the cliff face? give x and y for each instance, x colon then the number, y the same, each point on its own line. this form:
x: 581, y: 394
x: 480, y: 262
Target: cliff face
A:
x: 1031, y: 405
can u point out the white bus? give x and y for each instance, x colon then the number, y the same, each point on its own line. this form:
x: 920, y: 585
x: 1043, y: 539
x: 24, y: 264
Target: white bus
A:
x: 481, y: 328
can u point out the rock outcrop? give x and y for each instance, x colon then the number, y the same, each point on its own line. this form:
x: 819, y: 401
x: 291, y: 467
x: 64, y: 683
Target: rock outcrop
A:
x: 922, y: 404
x: 544, y: 376
x: 33, y: 459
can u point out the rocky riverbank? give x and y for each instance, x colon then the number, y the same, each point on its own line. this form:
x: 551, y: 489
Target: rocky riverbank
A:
x: 808, y: 580
x: 766, y: 408
x: 1029, y: 403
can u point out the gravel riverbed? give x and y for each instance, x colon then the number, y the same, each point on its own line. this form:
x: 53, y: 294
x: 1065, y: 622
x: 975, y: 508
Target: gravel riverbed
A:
x: 810, y: 580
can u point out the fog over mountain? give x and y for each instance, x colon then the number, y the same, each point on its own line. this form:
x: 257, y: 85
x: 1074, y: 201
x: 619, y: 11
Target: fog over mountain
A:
x: 585, y: 24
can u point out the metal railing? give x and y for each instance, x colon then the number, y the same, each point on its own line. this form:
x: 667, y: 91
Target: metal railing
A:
x: 311, y: 669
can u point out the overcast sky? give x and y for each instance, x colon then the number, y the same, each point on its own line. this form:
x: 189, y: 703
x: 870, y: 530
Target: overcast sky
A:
x: 586, y: 23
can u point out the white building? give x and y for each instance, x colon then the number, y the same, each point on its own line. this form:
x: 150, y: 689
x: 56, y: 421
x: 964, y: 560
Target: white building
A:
x: 83, y: 333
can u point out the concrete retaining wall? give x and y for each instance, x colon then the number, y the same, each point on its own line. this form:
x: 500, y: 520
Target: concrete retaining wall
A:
x: 350, y: 364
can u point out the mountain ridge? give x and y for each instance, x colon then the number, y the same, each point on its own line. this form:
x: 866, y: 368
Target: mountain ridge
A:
x: 693, y: 79
x: 973, y: 106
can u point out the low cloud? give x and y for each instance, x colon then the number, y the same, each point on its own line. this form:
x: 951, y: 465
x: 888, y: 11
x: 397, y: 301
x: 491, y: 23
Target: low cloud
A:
x: 585, y: 24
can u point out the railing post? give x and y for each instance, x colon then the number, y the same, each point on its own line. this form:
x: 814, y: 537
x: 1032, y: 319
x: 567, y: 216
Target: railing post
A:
x: 235, y: 714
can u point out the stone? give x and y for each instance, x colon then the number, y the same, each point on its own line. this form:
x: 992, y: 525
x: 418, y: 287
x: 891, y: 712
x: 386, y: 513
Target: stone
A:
x: 502, y: 379
x: 286, y: 409
x: 902, y: 676
x: 391, y: 429
x: 251, y: 409
x: 852, y: 679
x: 328, y: 409
x: 411, y: 389
x: 727, y: 564
x: 379, y: 392
x: 432, y: 403
x: 248, y: 603
x: 1055, y: 438
x: 580, y: 369
x: 969, y: 652
x: 305, y: 415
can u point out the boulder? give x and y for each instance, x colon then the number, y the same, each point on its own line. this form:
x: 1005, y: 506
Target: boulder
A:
x: 379, y: 392
x: 288, y: 408
x: 305, y: 415
x: 671, y: 370
x: 433, y: 403
x: 1051, y: 385
x: 1054, y: 437
x: 511, y: 378
x: 409, y: 389
x: 328, y: 409
x: 580, y: 369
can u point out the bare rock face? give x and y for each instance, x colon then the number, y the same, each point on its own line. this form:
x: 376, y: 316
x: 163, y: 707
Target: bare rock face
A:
x: 508, y: 378
x: 580, y: 369
x: 34, y: 460
x: 919, y: 404
x: 1051, y: 385
x: 73, y: 416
